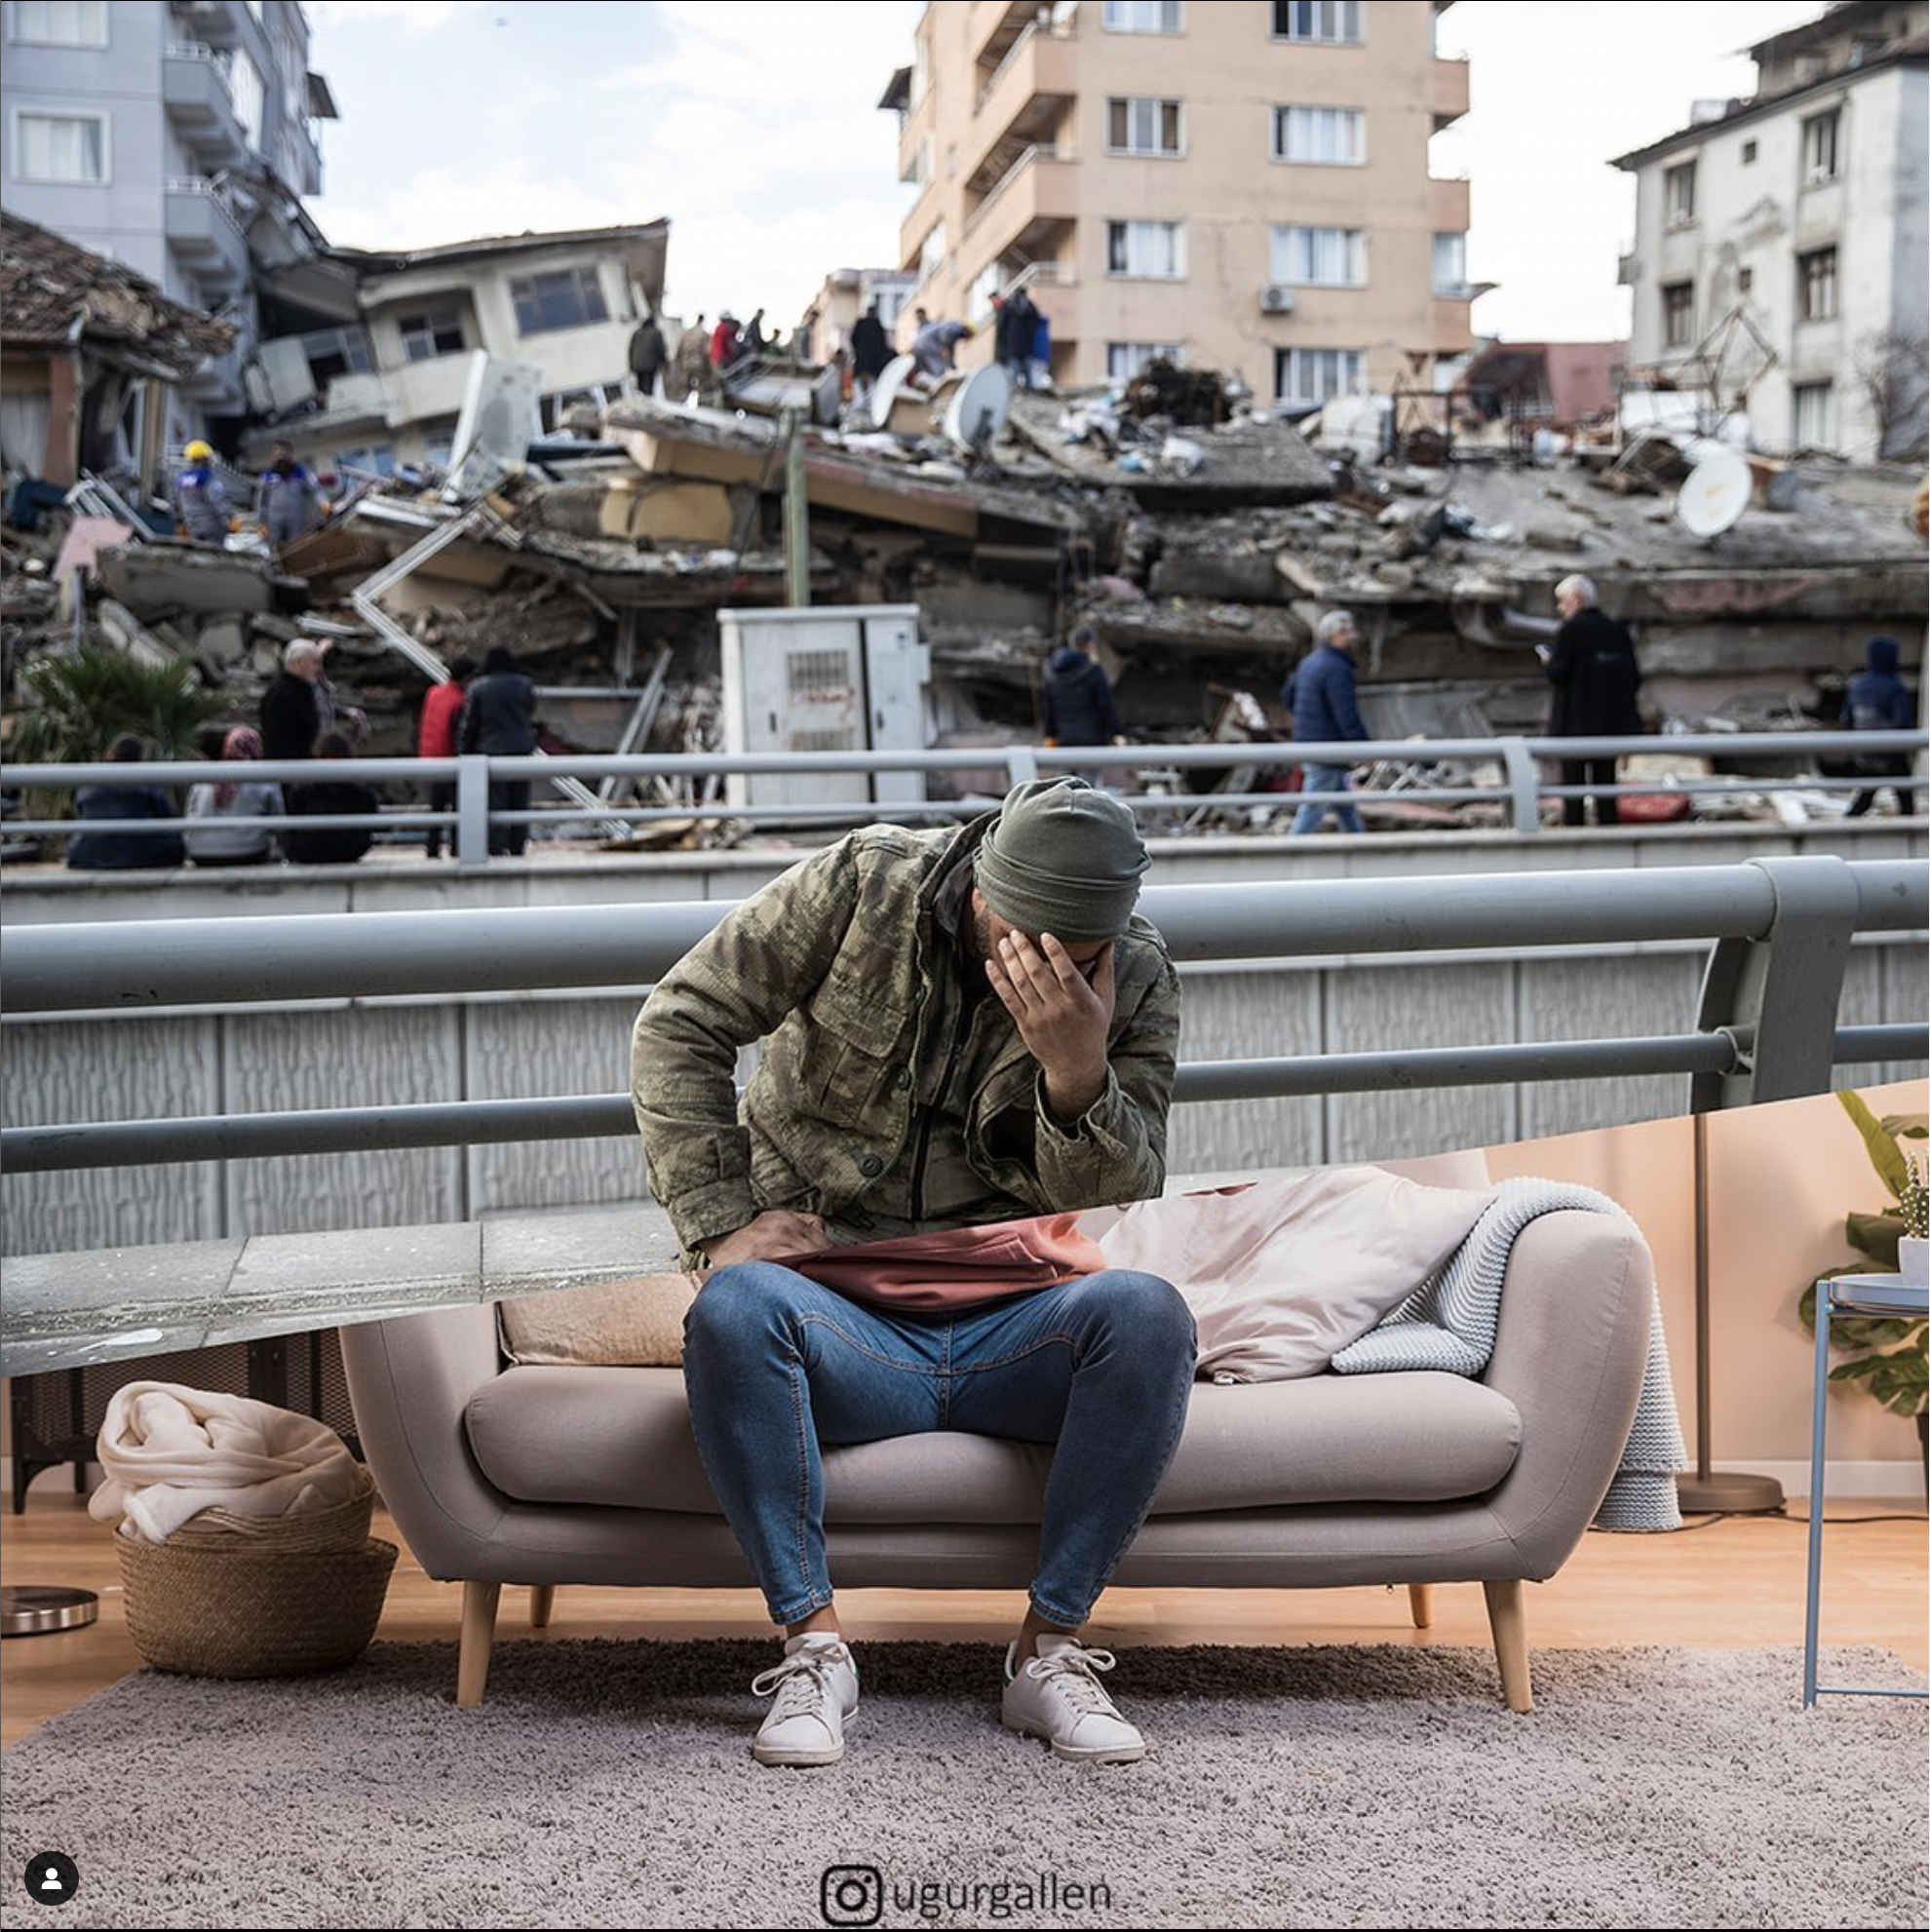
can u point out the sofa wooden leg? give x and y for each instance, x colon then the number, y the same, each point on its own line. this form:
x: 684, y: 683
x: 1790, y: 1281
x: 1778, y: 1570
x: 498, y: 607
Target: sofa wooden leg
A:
x: 1420, y: 1600
x: 542, y: 1601
x: 479, y: 1634
x: 1509, y: 1622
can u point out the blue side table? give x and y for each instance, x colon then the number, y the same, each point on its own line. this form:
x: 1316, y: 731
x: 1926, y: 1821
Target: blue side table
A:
x: 1848, y: 1294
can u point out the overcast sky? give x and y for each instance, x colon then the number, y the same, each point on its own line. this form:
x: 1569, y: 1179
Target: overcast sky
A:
x: 753, y: 125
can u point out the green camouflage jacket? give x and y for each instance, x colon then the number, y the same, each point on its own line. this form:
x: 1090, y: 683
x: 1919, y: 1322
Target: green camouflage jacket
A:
x: 893, y: 1092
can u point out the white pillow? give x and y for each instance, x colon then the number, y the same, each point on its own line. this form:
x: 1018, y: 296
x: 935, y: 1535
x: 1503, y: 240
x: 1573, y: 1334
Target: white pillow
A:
x: 1283, y: 1273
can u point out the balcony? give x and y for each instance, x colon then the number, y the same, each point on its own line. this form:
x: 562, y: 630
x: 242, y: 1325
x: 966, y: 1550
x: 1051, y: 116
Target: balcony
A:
x: 1038, y: 195
x: 1028, y: 94
x: 202, y: 229
x: 194, y: 90
x: 1448, y: 91
x: 418, y: 390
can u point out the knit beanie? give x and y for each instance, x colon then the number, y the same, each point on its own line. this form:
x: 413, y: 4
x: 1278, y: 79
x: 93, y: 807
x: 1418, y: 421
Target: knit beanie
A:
x: 1063, y: 858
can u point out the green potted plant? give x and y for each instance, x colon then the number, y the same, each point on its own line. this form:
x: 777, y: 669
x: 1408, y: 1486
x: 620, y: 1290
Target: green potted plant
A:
x: 1887, y: 1355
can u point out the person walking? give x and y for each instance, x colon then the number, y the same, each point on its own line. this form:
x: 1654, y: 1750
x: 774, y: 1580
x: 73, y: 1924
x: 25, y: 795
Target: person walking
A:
x: 647, y: 353
x: 1593, y: 669
x: 1320, y: 696
x: 870, y: 351
x: 1878, y: 700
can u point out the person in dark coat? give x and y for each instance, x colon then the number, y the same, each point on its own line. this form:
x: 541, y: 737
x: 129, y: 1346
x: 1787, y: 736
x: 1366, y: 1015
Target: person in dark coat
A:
x: 1592, y: 667
x: 1077, y: 696
x: 870, y: 351
x: 649, y: 353
x: 122, y: 851
x: 499, y: 720
x: 1018, y: 324
x: 1878, y: 700
x: 328, y: 845
x: 1320, y: 696
x: 301, y: 704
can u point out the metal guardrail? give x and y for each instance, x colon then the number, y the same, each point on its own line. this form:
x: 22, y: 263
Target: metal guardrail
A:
x: 1766, y: 1029
x: 1524, y: 786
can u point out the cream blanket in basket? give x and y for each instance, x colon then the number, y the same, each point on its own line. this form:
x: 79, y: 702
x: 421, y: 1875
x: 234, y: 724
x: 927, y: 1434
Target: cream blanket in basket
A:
x: 170, y: 1453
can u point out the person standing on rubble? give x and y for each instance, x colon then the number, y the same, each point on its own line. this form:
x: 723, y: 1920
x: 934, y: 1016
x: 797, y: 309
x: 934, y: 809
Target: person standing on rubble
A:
x: 870, y: 351
x: 1320, y: 696
x: 1592, y: 666
x: 1878, y: 700
x: 1032, y: 1021
x: 752, y: 343
x: 727, y: 343
x: 691, y: 374
x: 288, y: 498
x: 1077, y: 695
x: 498, y: 719
x: 201, y: 503
x: 1018, y: 324
x: 648, y: 352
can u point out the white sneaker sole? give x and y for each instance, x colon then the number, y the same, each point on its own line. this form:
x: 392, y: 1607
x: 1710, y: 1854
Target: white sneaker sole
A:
x: 777, y: 1755
x: 1096, y: 1754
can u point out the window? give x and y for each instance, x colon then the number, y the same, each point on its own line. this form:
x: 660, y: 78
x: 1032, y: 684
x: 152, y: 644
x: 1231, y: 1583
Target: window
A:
x: 1679, y: 194
x: 1124, y: 360
x: 1325, y: 137
x: 250, y: 95
x: 932, y: 251
x: 1819, y: 146
x: 1812, y: 428
x: 1154, y: 250
x: 1450, y: 265
x: 563, y: 299
x: 1816, y: 285
x: 1678, y: 314
x: 62, y: 22
x: 333, y: 351
x: 1331, y: 257
x: 1142, y: 16
x: 1748, y: 154
x: 1142, y: 127
x: 984, y: 285
x: 371, y: 459
x: 424, y: 337
x: 1333, y: 21
x: 61, y: 147
x: 1745, y: 280
x: 1312, y: 376
x: 890, y: 298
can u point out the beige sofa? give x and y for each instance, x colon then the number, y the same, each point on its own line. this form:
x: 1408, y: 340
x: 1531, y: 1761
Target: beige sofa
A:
x: 503, y: 1474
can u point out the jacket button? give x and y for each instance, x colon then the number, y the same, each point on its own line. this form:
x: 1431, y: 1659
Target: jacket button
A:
x: 871, y: 1166
x: 903, y: 1080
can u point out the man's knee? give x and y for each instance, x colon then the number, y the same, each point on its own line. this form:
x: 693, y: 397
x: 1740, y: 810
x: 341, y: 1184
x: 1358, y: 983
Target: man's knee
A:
x: 743, y: 1299
x: 1146, y: 1307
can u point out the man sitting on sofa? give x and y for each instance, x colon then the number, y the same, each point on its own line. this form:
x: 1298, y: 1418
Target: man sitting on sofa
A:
x: 962, y: 1026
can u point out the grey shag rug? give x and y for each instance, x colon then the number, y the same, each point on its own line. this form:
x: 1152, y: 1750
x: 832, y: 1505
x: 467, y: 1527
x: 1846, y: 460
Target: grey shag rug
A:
x: 609, y: 1784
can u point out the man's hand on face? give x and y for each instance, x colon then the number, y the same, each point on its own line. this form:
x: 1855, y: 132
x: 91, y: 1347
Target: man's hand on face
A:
x: 1063, y: 1013
x: 768, y: 1238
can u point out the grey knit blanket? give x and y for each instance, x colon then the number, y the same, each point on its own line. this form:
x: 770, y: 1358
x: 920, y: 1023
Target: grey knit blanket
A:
x: 1450, y: 1321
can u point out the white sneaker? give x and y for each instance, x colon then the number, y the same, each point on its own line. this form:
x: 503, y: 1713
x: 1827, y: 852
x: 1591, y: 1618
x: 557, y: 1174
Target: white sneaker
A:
x: 816, y: 1688
x: 1056, y: 1695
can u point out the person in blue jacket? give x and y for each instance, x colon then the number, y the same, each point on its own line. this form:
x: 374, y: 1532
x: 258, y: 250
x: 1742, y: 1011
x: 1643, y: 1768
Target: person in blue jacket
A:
x: 201, y: 503
x: 1077, y: 696
x: 1878, y: 700
x: 123, y: 851
x: 1320, y: 696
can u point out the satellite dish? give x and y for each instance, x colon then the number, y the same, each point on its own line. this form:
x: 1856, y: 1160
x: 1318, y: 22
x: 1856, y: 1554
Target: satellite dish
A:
x: 974, y: 411
x: 1714, y: 494
x: 884, y: 392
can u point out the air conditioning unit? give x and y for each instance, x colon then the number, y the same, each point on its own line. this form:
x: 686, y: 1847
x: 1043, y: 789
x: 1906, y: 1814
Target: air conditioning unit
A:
x: 1276, y: 298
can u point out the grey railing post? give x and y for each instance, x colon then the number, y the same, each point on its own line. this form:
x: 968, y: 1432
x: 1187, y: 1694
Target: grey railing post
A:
x: 1524, y: 782
x: 1022, y: 766
x: 472, y: 828
x: 1776, y: 996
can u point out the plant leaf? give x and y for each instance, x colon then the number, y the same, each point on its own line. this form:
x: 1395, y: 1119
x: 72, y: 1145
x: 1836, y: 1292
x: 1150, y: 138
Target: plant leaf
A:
x: 1908, y: 1126
x: 1885, y: 1156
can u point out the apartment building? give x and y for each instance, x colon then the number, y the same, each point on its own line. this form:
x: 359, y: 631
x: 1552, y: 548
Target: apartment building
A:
x: 1802, y: 210
x: 373, y: 365
x: 175, y: 137
x: 1245, y: 184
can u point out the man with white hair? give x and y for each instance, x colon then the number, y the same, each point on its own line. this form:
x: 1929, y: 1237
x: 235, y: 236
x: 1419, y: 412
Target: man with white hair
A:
x: 300, y: 704
x: 1320, y: 696
x: 1592, y: 667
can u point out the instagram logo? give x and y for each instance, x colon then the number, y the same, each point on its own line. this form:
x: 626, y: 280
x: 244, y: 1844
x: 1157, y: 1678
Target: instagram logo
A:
x: 851, y: 1895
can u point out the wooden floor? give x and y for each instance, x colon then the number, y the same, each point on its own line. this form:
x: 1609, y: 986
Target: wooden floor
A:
x: 1734, y: 1584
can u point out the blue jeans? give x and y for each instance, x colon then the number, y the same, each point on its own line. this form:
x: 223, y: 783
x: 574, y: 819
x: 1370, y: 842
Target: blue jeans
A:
x: 776, y: 1365
x: 1329, y: 779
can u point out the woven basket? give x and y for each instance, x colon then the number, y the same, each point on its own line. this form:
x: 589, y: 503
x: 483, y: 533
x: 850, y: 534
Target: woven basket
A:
x: 238, y: 1597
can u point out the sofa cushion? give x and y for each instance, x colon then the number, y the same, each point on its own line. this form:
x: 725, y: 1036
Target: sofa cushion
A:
x: 621, y: 1438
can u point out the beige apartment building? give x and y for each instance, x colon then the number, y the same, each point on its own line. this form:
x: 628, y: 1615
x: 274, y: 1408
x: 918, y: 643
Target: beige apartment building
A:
x: 1244, y: 183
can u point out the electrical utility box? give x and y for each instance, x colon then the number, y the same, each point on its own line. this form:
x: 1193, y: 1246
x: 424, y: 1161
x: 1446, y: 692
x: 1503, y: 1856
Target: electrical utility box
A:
x: 834, y: 678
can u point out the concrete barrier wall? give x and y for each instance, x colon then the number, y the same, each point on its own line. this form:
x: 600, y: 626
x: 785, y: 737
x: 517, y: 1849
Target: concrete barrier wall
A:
x: 256, y: 1060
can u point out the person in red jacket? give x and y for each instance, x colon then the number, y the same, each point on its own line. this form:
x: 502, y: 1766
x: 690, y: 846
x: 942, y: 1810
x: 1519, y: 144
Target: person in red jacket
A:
x: 437, y: 740
x: 726, y: 343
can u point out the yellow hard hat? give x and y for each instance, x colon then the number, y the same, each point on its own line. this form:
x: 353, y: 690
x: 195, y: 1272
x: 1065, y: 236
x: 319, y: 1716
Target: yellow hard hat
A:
x: 198, y: 451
